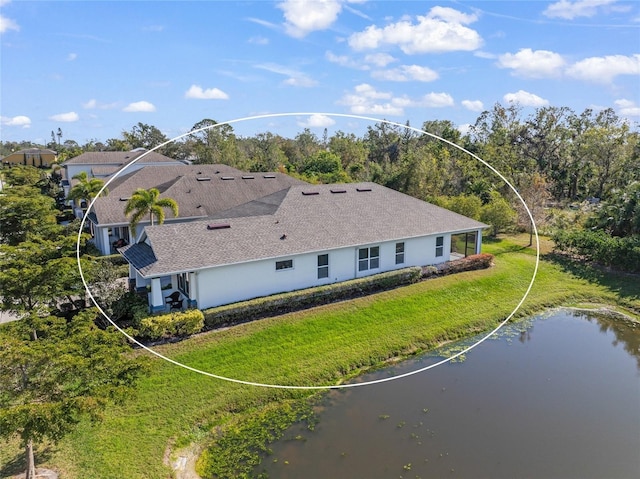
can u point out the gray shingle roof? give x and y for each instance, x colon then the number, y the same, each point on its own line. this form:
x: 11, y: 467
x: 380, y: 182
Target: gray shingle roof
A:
x: 201, y: 191
x: 362, y: 213
x: 116, y: 158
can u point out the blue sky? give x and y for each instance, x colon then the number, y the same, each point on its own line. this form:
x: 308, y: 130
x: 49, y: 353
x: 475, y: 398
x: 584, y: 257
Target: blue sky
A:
x: 95, y: 69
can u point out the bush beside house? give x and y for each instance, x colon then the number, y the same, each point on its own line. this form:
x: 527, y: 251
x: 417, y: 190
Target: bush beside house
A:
x: 171, y: 325
x: 307, y: 298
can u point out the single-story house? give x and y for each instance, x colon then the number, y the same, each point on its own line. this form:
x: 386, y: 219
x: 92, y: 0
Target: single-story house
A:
x: 38, y: 157
x: 103, y: 164
x: 201, y: 191
x: 316, y: 235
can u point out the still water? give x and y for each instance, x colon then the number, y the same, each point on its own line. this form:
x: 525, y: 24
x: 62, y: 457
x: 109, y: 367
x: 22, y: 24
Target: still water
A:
x: 557, y: 396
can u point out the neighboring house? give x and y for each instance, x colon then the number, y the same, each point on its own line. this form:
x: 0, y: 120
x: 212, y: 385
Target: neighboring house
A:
x: 38, y: 157
x: 103, y: 164
x: 201, y: 191
x: 315, y: 235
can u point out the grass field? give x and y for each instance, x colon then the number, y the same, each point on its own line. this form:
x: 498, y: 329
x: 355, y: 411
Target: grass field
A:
x: 321, y: 346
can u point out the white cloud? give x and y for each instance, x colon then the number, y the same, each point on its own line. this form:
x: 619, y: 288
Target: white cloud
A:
x: 317, y: 121
x: 379, y: 59
x: 441, y: 30
x: 139, y: 106
x: 20, y: 120
x: 525, y: 98
x: 464, y: 128
x: 570, y: 10
x: 605, y: 69
x: 532, y: 64
x: 627, y: 107
x: 436, y: 100
x: 258, y: 40
x: 305, y: 16
x: 301, y: 81
x: 367, y: 100
x: 407, y: 73
x: 472, y: 105
x: 69, y: 117
x: 196, y: 92
x: 344, y: 61
x: 296, y: 78
x: 71, y: 57
x: 93, y: 104
x: 7, y: 24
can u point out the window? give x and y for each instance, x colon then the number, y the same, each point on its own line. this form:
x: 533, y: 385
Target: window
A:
x: 286, y: 264
x: 399, y: 253
x: 183, y: 283
x: 323, y: 266
x: 439, y: 246
x: 368, y: 258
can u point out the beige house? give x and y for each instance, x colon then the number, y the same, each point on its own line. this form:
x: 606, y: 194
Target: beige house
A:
x: 38, y: 157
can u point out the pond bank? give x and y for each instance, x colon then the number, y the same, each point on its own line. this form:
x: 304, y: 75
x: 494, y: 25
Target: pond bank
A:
x: 325, y: 345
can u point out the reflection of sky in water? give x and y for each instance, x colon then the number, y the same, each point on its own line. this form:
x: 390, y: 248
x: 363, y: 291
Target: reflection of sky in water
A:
x: 546, y: 398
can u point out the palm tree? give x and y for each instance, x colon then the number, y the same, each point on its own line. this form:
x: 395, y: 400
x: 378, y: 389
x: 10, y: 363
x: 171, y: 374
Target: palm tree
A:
x: 86, y: 188
x: 146, y: 202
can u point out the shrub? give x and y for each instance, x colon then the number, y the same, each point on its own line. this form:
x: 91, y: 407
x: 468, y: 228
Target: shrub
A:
x: 470, y: 263
x: 171, y: 325
x: 616, y: 252
x: 306, y: 298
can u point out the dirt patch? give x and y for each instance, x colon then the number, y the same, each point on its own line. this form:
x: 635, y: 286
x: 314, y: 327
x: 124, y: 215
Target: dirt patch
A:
x: 40, y: 474
x: 184, y: 463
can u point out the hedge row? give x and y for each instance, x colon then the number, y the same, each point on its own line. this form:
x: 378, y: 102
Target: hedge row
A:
x: 621, y: 253
x: 115, y: 259
x: 171, y: 325
x: 469, y: 263
x: 306, y: 298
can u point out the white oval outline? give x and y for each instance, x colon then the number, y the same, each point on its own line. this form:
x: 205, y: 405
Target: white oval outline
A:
x: 336, y: 386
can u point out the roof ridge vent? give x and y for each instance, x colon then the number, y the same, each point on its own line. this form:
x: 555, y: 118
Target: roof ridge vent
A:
x: 226, y: 178
x: 218, y: 226
x: 363, y: 189
x: 269, y: 176
x: 248, y: 177
x: 338, y: 190
x: 203, y: 178
x: 310, y: 193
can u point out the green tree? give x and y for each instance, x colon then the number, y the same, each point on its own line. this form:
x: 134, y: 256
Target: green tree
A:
x: 324, y: 167
x: 47, y: 270
x: 148, y: 202
x: 498, y: 213
x: 469, y: 206
x: 620, y: 215
x: 25, y: 211
x: 20, y: 175
x: 214, y: 144
x: 352, y: 153
x: 148, y: 137
x: 86, y: 188
x: 54, y: 372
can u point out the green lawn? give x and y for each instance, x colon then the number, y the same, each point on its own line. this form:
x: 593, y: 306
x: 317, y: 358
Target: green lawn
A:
x: 320, y: 346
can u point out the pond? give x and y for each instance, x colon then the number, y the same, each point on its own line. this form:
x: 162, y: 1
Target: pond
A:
x: 556, y: 396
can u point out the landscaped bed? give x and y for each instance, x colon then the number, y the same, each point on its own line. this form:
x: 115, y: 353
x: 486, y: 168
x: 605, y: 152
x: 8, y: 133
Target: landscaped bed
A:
x: 324, y: 345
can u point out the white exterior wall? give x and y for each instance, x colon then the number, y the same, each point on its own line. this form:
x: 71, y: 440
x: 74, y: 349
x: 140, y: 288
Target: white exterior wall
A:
x: 232, y: 283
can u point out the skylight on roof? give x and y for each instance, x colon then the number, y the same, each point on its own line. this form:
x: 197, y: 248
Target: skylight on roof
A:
x: 218, y: 226
x: 203, y: 178
x: 226, y: 178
